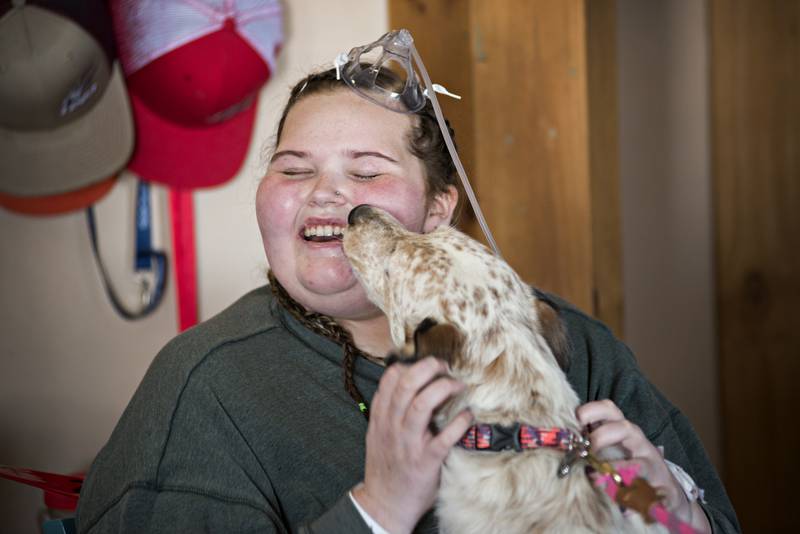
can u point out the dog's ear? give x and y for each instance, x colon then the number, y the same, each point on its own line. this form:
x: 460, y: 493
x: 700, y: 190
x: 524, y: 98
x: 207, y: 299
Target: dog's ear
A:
x: 553, y: 331
x: 409, y: 352
x: 424, y: 326
x: 443, y: 341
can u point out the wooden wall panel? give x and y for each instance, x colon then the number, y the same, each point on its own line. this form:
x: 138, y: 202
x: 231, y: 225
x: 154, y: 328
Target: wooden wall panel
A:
x: 442, y: 37
x: 532, y: 163
x: 604, y: 166
x: 524, y: 131
x: 756, y: 168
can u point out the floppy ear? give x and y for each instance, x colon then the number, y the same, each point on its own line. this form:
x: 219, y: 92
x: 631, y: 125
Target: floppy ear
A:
x: 406, y: 353
x: 442, y: 341
x: 553, y: 331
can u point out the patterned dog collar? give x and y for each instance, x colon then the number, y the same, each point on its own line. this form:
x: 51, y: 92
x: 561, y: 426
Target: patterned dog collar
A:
x: 517, y: 437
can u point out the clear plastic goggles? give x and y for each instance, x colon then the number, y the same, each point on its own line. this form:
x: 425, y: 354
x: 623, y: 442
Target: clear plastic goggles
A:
x: 361, y: 70
x: 364, y: 64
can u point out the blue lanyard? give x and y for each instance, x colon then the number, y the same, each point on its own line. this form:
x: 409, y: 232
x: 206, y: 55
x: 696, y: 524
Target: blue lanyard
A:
x: 146, y: 259
x: 143, y: 260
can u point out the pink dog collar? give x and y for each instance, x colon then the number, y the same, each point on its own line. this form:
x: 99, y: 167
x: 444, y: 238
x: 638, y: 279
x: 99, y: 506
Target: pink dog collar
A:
x: 517, y: 437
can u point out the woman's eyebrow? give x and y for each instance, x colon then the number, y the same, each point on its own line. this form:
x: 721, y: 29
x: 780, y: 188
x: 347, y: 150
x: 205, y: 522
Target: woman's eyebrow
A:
x: 369, y: 153
x: 282, y: 153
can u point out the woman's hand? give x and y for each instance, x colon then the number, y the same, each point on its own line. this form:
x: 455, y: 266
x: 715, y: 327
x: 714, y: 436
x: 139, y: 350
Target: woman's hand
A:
x: 404, y: 458
x: 610, y: 428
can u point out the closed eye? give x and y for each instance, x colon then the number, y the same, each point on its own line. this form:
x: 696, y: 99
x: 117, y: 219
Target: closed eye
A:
x: 296, y: 172
x: 365, y: 176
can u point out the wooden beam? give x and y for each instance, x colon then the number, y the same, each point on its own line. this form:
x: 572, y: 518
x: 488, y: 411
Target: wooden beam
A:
x: 601, y: 49
x: 524, y: 130
x: 756, y: 169
x: 442, y: 37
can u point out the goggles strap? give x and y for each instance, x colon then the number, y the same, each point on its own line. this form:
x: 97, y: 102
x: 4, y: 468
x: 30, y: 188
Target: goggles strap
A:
x: 453, y: 154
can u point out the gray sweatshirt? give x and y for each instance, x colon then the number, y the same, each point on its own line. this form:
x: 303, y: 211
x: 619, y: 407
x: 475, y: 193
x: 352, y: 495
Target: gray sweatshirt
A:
x: 242, y: 424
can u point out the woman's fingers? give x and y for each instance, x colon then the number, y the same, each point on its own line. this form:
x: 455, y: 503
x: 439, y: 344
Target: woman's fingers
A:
x: 451, y: 434
x: 403, y: 458
x: 400, y: 383
x: 382, y: 397
x: 622, y: 433
x: 608, y: 429
x: 410, y: 380
x: 420, y: 410
x: 593, y: 414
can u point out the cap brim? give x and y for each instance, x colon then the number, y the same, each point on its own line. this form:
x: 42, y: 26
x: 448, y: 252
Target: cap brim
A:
x: 181, y: 156
x: 59, y: 203
x: 74, y: 156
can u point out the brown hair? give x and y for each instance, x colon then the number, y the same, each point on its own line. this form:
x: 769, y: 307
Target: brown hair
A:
x: 426, y: 142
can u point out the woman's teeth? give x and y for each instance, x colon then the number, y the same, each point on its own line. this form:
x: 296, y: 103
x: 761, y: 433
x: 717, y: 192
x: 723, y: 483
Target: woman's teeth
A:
x: 323, y: 232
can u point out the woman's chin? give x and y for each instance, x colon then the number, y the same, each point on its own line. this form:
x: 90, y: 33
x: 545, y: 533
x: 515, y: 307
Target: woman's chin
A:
x: 328, y: 278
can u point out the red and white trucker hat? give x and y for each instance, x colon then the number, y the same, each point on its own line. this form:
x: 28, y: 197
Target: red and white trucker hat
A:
x: 65, y: 122
x: 194, y: 69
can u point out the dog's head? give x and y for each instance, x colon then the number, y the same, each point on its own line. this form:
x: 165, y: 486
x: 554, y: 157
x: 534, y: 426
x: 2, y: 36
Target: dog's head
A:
x: 445, y: 277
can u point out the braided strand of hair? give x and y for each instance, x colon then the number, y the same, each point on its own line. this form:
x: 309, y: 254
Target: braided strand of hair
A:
x: 326, y: 327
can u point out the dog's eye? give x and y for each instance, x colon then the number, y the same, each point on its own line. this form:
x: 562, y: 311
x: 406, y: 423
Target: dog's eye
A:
x: 386, y: 273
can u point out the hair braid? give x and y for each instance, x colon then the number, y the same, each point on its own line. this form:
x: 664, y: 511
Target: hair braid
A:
x: 329, y: 328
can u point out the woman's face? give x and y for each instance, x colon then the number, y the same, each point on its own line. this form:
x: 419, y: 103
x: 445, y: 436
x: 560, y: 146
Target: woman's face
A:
x: 337, y: 150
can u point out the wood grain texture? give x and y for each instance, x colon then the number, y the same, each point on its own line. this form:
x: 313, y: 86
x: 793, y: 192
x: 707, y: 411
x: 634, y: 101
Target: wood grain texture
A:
x: 532, y: 136
x: 441, y: 35
x: 604, y: 166
x: 756, y: 169
x: 523, y: 128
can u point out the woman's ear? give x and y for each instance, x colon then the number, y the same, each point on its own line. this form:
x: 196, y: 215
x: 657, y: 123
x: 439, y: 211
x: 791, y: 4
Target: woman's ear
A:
x: 441, y: 208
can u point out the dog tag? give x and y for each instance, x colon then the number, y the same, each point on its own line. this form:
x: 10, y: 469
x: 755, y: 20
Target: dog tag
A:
x: 639, y: 496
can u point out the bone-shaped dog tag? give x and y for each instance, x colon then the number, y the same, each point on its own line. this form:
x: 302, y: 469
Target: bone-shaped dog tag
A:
x: 639, y: 496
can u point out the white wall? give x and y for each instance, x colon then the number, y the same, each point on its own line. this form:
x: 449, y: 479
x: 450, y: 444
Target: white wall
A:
x: 68, y: 364
x: 666, y: 203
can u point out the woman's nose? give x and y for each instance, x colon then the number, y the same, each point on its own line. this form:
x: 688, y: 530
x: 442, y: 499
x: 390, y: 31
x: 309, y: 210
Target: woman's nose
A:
x: 327, y: 190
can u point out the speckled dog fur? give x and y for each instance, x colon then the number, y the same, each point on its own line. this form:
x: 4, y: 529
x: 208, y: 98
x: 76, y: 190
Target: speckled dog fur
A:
x: 508, y: 340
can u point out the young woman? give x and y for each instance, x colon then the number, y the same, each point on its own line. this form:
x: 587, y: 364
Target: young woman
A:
x: 254, y: 421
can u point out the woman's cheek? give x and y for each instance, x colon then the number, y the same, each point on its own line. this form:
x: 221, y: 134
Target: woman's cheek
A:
x: 404, y: 203
x: 276, y: 205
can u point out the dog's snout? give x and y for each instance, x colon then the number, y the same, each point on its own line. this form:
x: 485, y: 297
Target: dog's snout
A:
x: 357, y: 213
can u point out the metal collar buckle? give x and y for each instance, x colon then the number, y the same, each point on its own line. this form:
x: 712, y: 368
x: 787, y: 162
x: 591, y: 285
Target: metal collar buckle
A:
x: 578, y: 449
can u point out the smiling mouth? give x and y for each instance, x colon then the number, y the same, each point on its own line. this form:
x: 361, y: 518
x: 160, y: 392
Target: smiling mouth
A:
x: 323, y: 233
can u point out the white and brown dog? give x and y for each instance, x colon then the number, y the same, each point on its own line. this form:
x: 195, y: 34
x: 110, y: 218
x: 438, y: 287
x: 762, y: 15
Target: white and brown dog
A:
x: 447, y: 290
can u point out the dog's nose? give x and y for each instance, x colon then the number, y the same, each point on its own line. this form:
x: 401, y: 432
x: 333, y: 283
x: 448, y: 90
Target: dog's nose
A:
x: 357, y: 213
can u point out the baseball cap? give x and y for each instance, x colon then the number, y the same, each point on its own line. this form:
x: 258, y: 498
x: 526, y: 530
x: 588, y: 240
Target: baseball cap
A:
x: 194, y: 69
x: 65, y: 119
x: 60, y: 202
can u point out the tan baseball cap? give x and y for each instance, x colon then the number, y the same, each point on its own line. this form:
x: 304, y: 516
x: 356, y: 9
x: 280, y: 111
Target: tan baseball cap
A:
x: 65, y: 118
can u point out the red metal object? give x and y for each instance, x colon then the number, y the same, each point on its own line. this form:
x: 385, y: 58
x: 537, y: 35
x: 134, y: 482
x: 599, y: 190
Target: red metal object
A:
x: 60, y: 490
